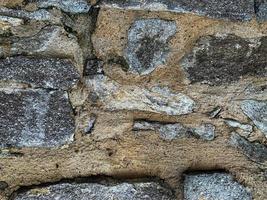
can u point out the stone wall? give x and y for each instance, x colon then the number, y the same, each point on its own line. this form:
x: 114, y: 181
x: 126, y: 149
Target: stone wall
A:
x: 131, y: 99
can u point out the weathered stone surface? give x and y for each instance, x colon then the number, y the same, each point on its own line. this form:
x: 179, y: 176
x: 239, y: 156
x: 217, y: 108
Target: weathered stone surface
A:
x: 35, y: 118
x: 115, y: 96
x: 96, y: 191
x: 91, y: 123
x: 3, y: 185
x: 236, y: 124
x: 215, y: 186
x: 205, y: 131
x: 93, y: 67
x: 218, y: 60
x: 170, y: 131
x: 38, y: 15
x: 70, y: 6
x: 52, y: 41
x: 227, y: 9
x: 257, y: 112
x: 11, y: 20
x: 261, y: 9
x: 255, y: 151
x: 147, y: 45
x: 40, y: 72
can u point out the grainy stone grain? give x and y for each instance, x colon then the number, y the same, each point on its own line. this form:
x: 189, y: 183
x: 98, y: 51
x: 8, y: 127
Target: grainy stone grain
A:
x: 242, y: 10
x: 39, y: 72
x: 218, y: 60
x: 257, y: 112
x: 35, y: 118
x: 261, y: 9
x: 215, y: 186
x: 115, y: 96
x: 97, y: 191
x: 148, y: 44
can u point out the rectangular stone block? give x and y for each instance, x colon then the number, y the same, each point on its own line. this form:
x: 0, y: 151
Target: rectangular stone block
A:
x: 40, y: 72
x: 35, y: 118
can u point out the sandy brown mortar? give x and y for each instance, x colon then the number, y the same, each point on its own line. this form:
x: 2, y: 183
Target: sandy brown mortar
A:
x: 114, y: 149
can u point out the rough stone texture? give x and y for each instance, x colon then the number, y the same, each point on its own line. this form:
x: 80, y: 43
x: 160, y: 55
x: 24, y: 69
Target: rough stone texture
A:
x: 93, y: 67
x: 236, y: 124
x: 148, y: 44
x: 35, y: 118
x: 172, y: 131
x: 227, y: 9
x: 38, y: 15
x: 255, y: 151
x: 70, y: 6
x: 218, y: 60
x: 215, y: 186
x: 114, y: 96
x: 96, y: 191
x: 40, y: 72
x: 261, y: 9
x: 257, y: 112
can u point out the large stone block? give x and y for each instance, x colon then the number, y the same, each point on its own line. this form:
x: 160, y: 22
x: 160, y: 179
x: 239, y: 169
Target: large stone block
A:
x: 226, y: 9
x: 39, y: 72
x: 115, y: 96
x: 261, y: 9
x: 97, y: 191
x: 215, y: 186
x: 218, y: 60
x: 35, y: 118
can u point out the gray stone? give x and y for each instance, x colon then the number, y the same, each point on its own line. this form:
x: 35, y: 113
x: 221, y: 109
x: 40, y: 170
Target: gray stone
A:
x: 242, y: 10
x: 69, y: 6
x: 257, y: 112
x: 97, y: 191
x: 170, y: 131
x: 205, y: 131
x: 91, y: 123
x: 38, y: 15
x: 93, y: 67
x: 167, y: 131
x: 236, y: 124
x: 254, y: 151
x: 215, y: 186
x: 115, y: 96
x: 147, y: 45
x: 51, y: 41
x: 11, y: 20
x: 261, y: 9
x: 39, y: 72
x: 218, y: 60
x: 3, y: 185
x: 35, y: 118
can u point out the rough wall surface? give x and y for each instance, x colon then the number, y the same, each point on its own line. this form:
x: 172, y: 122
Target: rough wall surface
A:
x: 113, y: 99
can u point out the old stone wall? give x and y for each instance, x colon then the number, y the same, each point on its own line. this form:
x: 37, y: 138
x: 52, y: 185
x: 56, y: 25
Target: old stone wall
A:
x: 133, y: 99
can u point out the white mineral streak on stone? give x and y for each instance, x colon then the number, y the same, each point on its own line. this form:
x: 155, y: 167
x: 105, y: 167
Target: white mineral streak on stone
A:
x: 11, y: 20
x: 237, y: 124
x: 118, y: 97
x: 70, y: 6
x: 257, y: 112
x: 215, y: 186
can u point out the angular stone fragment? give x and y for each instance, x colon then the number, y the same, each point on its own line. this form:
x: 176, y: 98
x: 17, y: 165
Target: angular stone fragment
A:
x: 236, y: 124
x: 50, y: 41
x: 261, y: 9
x: 170, y: 131
x: 40, y: 72
x: 39, y: 15
x: 218, y: 60
x: 11, y: 20
x: 205, y: 131
x: 97, y: 191
x: 257, y: 112
x: 35, y: 118
x: 255, y: 151
x: 215, y: 186
x: 69, y: 6
x: 147, y: 45
x: 115, y: 96
x: 242, y: 10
